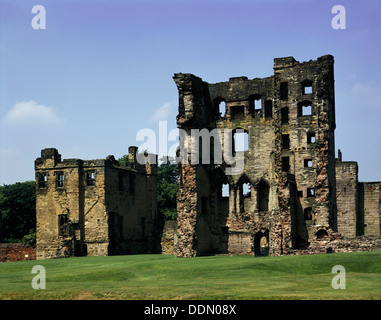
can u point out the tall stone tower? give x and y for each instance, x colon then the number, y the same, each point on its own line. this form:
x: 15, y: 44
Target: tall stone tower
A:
x: 281, y: 129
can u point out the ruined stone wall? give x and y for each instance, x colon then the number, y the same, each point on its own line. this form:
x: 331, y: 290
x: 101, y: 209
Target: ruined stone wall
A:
x: 16, y: 252
x: 370, y: 207
x: 132, y: 209
x: 169, y: 237
x: 337, y: 243
x: 70, y: 201
x: 347, y: 197
x: 310, y: 128
x: 94, y: 207
x: 288, y: 167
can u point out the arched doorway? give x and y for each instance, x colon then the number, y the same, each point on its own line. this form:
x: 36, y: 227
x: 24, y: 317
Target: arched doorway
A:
x: 261, y: 243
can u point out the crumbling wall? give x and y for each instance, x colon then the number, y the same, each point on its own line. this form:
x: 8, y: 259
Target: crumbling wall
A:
x: 95, y: 207
x: 347, y: 197
x: 169, y: 237
x: 371, y: 207
x: 16, y: 252
x: 292, y: 153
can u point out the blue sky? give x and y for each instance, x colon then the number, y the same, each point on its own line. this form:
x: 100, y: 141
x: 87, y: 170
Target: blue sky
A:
x: 102, y: 70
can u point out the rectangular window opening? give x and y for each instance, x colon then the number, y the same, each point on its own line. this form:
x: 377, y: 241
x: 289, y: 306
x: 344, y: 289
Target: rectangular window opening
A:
x: 241, y: 141
x: 311, y: 137
x: 286, y: 164
x: 307, y: 90
x: 60, y: 179
x: 225, y: 190
x: 305, y: 110
x: 307, y: 163
x: 90, y: 178
x: 237, y: 112
x: 268, y: 109
x: 43, y: 180
x: 285, y: 141
x: 310, y: 192
x: 283, y: 90
x: 284, y: 115
x: 257, y: 106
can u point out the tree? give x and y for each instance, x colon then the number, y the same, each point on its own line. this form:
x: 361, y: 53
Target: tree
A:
x: 18, y: 212
x: 167, y: 188
x: 123, y: 161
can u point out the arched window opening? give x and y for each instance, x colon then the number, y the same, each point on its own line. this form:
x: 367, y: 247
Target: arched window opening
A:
x: 240, y: 140
x: 305, y: 109
x: 321, y: 234
x: 222, y: 108
x: 219, y: 104
x: 246, y: 189
x: 255, y: 104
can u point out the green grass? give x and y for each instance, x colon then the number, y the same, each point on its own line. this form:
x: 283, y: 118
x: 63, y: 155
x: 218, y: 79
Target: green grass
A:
x: 215, y: 277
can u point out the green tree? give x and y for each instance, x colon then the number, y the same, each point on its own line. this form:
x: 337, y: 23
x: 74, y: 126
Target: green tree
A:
x: 167, y: 188
x: 18, y: 212
x: 123, y: 161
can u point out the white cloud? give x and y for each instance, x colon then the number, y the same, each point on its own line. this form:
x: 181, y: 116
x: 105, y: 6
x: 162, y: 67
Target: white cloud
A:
x: 164, y: 111
x: 31, y: 113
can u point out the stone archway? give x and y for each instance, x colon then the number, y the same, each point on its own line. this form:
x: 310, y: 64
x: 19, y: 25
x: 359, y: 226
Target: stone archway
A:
x: 261, y: 243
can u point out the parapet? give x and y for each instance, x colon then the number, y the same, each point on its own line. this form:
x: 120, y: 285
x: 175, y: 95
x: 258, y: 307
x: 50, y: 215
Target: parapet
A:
x: 285, y: 62
x: 48, y: 153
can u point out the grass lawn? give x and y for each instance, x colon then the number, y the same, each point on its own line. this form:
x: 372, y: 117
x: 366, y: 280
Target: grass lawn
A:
x: 215, y: 277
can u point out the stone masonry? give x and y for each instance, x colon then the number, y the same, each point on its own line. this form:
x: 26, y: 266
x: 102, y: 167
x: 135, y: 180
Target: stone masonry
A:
x: 95, y: 207
x: 292, y: 193
x: 290, y: 196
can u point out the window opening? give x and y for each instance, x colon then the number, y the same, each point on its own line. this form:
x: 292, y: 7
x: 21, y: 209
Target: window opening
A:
x: 285, y: 141
x: 284, y: 115
x: 286, y: 164
x: 225, y: 190
x: 222, y: 108
x: 60, y: 179
x: 307, y: 163
x: 241, y: 141
x: 310, y: 192
x: 246, y: 189
x: 311, y: 137
x: 237, y: 112
x: 283, y: 90
x: 43, y: 180
x: 90, y: 178
x: 268, y: 109
x: 263, y: 196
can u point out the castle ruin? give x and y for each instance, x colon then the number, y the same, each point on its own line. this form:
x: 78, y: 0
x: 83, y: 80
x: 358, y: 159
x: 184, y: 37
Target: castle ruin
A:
x: 95, y: 207
x: 291, y: 196
x: 292, y: 192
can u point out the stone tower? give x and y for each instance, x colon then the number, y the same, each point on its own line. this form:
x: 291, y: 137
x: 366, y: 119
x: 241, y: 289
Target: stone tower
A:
x: 95, y: 207
x: 281, y: 129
